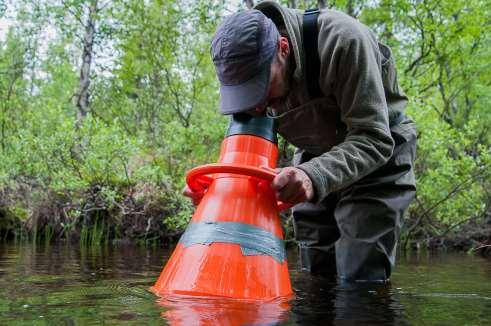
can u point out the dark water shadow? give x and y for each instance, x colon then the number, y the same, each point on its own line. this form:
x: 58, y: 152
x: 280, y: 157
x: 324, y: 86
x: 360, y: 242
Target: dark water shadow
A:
x: 323, y: 301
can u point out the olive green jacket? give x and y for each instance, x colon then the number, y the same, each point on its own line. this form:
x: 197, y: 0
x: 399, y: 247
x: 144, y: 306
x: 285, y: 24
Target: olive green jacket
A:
x: 347, y: 130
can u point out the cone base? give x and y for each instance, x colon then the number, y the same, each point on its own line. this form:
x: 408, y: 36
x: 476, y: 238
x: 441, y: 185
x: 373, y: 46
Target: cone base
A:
x: 221, y: 270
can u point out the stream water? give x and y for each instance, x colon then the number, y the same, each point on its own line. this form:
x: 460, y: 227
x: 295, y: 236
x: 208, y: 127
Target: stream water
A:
x: 69, y: 285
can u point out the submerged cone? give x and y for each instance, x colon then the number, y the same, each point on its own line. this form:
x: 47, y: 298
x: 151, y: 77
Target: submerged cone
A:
x: 233, y: 246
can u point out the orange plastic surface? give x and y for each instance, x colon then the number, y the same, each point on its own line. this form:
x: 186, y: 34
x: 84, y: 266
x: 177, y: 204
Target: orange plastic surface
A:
x: 220, y: 270
x: 198, y: 179
x: 205, y: 312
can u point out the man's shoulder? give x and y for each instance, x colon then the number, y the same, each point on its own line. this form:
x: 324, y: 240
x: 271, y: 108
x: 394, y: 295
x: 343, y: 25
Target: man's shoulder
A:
x: 342, y: 26
x: 272, y: 9
x: 268, y: 4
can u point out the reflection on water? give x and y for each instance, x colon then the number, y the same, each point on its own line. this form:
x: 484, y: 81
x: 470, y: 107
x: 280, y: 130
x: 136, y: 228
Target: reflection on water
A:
x: 328, y: 303
x: 208, y: 312
x: 69, y: 285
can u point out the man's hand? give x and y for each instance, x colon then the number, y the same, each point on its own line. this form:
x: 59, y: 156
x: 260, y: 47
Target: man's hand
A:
x: 195, y: 196
x: 292, y: 186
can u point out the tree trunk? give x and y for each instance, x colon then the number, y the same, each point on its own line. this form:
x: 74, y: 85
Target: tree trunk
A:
x: 350, y: 8
x: 321, y: 4
x: 82, y: 100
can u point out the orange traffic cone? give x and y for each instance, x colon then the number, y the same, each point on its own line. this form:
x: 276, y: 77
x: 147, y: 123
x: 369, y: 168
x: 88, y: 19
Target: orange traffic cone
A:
x: 233, y: 246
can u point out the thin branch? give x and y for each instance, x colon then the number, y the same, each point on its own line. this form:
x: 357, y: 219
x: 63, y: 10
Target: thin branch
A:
x: 177, y: 99
x: 456, y: 189
x: 438, y: 203
x: 77, y: 16
x: 481, y: 247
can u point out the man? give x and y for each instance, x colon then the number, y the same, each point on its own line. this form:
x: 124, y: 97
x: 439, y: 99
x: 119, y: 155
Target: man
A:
x: 352, y: 175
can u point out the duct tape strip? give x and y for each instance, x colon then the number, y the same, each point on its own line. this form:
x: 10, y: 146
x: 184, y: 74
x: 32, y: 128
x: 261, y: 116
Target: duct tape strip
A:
x: 253, y: 241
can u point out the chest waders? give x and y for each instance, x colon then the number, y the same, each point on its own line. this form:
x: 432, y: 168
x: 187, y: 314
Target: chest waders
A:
x: 354, y: 232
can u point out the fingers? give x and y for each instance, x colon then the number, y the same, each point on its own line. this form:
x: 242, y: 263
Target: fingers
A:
x: 282, y: 179
x: 186, y: 191
x: 293, y: 186
x: 194, y: 196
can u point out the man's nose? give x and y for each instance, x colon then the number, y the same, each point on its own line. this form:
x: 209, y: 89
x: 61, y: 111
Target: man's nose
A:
x: 262, y: 106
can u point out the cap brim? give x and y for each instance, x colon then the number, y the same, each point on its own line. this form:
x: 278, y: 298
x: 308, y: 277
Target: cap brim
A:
x: 245, y: 96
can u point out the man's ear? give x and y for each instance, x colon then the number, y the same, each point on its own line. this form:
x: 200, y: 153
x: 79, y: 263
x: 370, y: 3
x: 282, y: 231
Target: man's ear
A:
x: 284, y: 47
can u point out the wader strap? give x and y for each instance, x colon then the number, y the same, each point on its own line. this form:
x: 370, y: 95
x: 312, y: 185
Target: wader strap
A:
x: 253, y: 241
x: 312, y: 61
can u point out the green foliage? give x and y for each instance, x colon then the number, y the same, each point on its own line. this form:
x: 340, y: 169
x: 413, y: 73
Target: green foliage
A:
x: 453, y: 171
x: 154, y: 97
x: 183, y: 211
x: 443, y: 53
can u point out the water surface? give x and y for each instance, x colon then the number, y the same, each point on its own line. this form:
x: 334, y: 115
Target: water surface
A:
x: 69, y: 285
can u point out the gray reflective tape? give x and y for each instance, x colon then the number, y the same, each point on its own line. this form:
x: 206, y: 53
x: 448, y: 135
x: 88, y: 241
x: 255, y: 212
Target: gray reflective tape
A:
x: 250, y: 252
x: 253, y: 241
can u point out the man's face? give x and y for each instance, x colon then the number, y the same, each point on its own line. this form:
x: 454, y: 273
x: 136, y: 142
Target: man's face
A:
x: 278, y: 86
x: 279, y: 82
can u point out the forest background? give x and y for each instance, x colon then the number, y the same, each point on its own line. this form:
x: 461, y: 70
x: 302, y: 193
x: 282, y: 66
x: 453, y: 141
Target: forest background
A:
x: 104, y: 105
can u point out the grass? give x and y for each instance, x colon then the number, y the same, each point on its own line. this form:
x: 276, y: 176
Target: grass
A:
x: 96, y: 234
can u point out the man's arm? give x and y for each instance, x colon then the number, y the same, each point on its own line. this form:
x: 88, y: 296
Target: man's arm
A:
x: 351, y: 70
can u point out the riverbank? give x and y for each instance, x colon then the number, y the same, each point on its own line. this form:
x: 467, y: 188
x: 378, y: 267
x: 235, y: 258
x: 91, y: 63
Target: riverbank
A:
x: 153, y: 214
x: 472, y: 237
x: 144, y: 213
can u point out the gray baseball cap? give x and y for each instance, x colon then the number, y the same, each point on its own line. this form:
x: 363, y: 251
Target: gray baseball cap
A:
x: 242, y: 50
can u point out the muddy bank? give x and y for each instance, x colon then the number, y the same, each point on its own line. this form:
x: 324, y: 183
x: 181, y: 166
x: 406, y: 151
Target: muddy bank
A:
x: 145, y: 213
x: 472, y: 236
x: 157, y: 214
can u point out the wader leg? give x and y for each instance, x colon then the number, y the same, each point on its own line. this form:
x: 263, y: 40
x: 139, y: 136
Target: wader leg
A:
x: 369, y: 215
x: 316, y: 232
